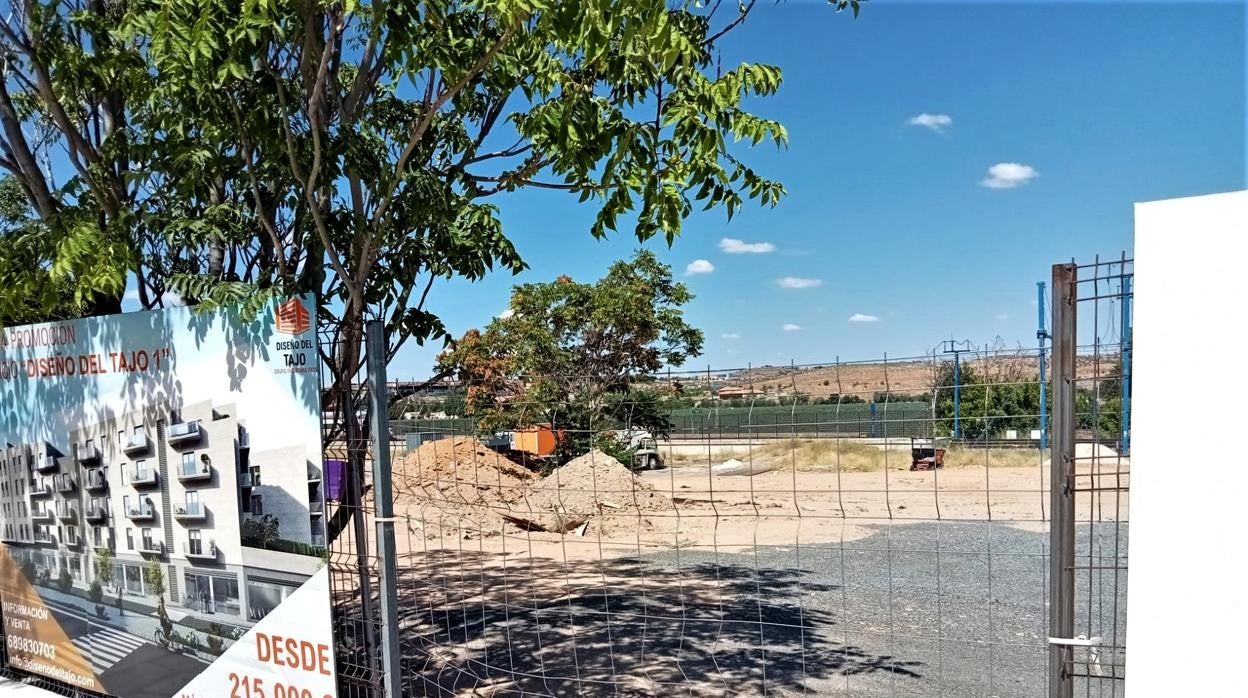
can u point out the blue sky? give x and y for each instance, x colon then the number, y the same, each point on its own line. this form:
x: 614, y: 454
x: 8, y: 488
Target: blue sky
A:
x: 1108, y: 104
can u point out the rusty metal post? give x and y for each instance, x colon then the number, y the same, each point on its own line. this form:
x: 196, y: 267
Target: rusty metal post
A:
x: 1061, y: 484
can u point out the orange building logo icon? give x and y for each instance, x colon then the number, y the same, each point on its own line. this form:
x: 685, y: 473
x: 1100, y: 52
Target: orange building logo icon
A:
x: 292, y: 317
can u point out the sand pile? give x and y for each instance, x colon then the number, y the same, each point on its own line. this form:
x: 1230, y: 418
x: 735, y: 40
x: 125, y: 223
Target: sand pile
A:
x: 593, y: 484
x: 460, y: 477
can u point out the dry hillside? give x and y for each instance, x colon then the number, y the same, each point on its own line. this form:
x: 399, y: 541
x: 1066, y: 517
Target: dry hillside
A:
x: 903, y: 377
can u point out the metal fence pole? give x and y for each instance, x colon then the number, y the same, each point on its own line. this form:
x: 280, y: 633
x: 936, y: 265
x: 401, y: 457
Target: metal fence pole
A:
x: 1061, y: 484
x: 1124, y: 380
x: 1041, y: 336
x: 375, y: 346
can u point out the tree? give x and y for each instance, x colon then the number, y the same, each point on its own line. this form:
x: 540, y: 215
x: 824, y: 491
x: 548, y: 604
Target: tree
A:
x: 573, y: 354
x: 104, y: 565
x: 154, y: 577
x: 259, y: 533
x: 237, y: 152
x: 26, y: 255
x: 1008, y: 399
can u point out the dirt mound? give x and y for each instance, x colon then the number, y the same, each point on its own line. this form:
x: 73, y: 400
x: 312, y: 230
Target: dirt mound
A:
x: 460, y: 477
x: 591, y: 485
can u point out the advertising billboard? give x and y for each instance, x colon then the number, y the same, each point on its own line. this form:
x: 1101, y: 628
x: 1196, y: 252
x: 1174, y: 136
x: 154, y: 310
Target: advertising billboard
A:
x: 162, y: 504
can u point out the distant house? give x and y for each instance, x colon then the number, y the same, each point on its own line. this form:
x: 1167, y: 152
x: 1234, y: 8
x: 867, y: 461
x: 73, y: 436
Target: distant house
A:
x: 735, y: 392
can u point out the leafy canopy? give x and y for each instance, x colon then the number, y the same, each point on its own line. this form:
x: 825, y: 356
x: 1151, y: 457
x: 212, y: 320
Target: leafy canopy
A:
x: 572, y: 354
x: 360, y: 150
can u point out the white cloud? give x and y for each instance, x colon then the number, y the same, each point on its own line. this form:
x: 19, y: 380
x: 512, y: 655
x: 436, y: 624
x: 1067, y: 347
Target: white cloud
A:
x: 790, y: 327
x: 699, y: 266
x: 863, y: 317
x: 1007, y: 175
x: 505, y: 314
x: 731, y: 335
x: 795, y: 282
x: 735, y: 246
x: 936, y: 122
x: 1003, y: 316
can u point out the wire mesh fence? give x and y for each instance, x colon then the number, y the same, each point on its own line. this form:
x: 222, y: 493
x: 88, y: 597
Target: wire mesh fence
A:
x: 796, y: 536
x: 1098, y: 300
x: 805, y: 557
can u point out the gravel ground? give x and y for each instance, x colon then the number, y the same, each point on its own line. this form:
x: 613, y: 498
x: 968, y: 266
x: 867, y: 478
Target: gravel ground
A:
x: 952, y: 609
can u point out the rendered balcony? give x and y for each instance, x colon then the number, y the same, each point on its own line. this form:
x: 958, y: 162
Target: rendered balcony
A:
x: 141, y: 512
x: 316, y: 508
x: 200, y: 552
x: 138, y: 443
x: 195, y: 471
x: 65, y: 482
x: 96, y: 512
x: 73, y: 540
x: 40, y: 488
x: 144, y: 478
x: 44, y: 538
x: 244, y: 440
x: 184, y: 433
x: 44, y: 463
x: 191, y: 512
x: 42, y: 516
x: 152, y: 547
x: 95, y: 481
x: 248, y: 480
x: 67, y: 513
x: 88, y: 454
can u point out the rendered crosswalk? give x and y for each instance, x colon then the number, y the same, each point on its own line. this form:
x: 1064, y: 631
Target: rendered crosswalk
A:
x: 104, y: 648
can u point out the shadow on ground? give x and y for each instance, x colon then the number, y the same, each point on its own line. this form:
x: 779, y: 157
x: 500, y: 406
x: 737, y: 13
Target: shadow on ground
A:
x: 473, y: 622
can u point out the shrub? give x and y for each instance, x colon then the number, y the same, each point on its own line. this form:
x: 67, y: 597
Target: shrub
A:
x: 259, y: 533
x: 215, y: 644
x: 101, y: 611
x: 96, y: 592
x: 64, y: 582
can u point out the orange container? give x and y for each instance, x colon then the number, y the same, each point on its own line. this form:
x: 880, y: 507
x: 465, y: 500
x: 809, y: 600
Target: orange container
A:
x: 538, y: 440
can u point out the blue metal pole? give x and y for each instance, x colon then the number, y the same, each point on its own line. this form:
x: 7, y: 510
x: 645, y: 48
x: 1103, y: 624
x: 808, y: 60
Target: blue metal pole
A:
x: 1041, y: 336
x: 1125, y: 418
x: 957, y: 395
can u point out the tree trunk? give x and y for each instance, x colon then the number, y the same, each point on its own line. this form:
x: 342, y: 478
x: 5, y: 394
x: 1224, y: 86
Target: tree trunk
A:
x: 102, y: 304
x: 347, y: 358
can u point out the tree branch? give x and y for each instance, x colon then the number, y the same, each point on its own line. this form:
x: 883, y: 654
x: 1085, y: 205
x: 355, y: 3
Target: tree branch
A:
x: 730, y: 26
x: 30, y: 175
x: 427, y: 118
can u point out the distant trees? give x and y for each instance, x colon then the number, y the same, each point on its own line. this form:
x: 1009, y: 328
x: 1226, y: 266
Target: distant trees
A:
x: 988, y: 407
x: 1010, y: 399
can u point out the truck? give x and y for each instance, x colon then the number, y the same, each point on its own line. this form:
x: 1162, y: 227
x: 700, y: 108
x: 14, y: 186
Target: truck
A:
x: 645, y: 448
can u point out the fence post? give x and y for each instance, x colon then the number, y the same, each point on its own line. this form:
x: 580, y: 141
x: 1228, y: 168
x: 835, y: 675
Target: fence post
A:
x: 1061, y: 483
x: 375, y: 346
x: 1124, y: 379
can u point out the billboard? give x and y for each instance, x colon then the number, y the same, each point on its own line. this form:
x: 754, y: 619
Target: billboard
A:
x: 162, y: 504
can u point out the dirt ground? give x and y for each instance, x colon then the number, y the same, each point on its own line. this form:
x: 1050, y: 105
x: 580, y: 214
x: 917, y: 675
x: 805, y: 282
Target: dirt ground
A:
x: 689, y: 581
x: 779, y: 507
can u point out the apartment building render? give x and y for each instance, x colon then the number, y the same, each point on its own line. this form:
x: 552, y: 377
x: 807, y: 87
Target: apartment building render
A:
x: 174, y: 486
